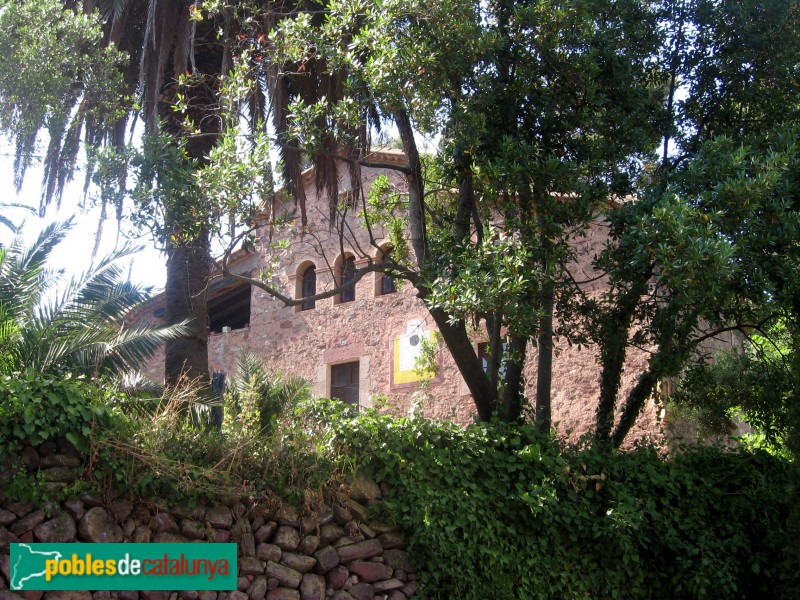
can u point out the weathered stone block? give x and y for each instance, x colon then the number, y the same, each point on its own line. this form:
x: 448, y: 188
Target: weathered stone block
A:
x: 58, y: 530
x: 337, y: 577
x: 308, y: 545
x: 298, y: 562
x: 20, y: 508
x: 308, y: 525
x: 285, y: 575
x: 97, y: 526
x: 154, y: 595
x: 267, y: 552
x: 360, y: 550
x: 389, y: 584
x: 168, y: 537
x: 370, y: 571
x: 410, y: 588
x: 219, y: 517
x: 327, y: 559
x: 366, y: 531
x: 30, y: 458
x: 247, y: 545
x: 59, y: 460
x: 6, y: 517
x: 287, y: 538
x: 257, y: 589
x: 194, y: 530
x: 141, y: 535
x: 358, y: 511
x: 5, y: 567
x: 221, y: 536
x: 364, y: 490
x: 330, y: 532
x: 68, y: 595
x: 287, y: 515
x: 250, y: 566
x: 163, y: 522
x: 340, y: 514
x: 27, y: 523
x: 312, y: 587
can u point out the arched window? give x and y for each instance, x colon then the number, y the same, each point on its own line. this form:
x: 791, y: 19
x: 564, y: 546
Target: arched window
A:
x: 348, y: 275
x: 309, y: 287
x: 387, y: 285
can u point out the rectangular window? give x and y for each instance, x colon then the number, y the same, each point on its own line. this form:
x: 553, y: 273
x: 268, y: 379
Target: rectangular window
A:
x: 344, y: 382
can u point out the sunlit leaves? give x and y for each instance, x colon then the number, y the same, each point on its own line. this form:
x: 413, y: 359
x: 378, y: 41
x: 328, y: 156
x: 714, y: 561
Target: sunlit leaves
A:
x: 53, y: 60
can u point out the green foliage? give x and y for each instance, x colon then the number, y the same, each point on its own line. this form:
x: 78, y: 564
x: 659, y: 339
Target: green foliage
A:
x: 50, y: 326
x: 256, y: 399
x: 53, y: 60
x: 754, y: 385
x: 501, y: 510
x: 35, y: 408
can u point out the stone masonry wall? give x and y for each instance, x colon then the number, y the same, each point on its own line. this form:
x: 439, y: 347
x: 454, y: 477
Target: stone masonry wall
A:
x: 328, y: 552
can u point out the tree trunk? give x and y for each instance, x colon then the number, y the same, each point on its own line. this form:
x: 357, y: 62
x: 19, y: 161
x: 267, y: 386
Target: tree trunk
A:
x: 544, y: 366
x: 188, y: 271
x: 455, y: 336
x: 512, y: 394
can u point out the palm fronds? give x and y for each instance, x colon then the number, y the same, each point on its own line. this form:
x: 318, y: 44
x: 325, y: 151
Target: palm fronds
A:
x: 79, y: 325
x: 257, y: 397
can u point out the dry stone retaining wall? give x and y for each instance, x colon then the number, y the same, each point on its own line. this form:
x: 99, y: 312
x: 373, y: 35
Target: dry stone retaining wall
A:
x: 330, y: 551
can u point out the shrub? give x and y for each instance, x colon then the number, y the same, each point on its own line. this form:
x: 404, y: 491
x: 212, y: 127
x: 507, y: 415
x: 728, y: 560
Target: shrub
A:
x: 35, y: 408
x: 497, y: 510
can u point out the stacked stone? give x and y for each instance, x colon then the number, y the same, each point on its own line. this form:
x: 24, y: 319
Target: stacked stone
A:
x: 331, y: 552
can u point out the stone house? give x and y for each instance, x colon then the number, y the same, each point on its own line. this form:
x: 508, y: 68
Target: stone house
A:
x: 361, y: 346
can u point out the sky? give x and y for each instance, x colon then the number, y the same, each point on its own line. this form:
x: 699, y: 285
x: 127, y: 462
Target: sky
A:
x: 146, y: 267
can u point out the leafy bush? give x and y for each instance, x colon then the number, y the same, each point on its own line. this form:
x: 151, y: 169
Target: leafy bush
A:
x: 35, y: 408
x: 499, y: 511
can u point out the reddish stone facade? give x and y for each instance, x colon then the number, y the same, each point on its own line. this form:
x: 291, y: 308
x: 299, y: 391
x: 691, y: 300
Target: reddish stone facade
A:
x: 380, y: 331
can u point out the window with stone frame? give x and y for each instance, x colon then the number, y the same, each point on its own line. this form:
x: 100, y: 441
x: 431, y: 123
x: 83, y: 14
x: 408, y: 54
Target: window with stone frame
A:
x: 348, y: 275
x: 309, y: 287
x: 344, y: 382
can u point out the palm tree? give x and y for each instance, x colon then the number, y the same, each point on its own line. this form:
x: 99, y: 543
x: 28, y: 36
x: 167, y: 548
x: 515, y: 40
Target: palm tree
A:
x: 256, y: 398
x: 77, y: 327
